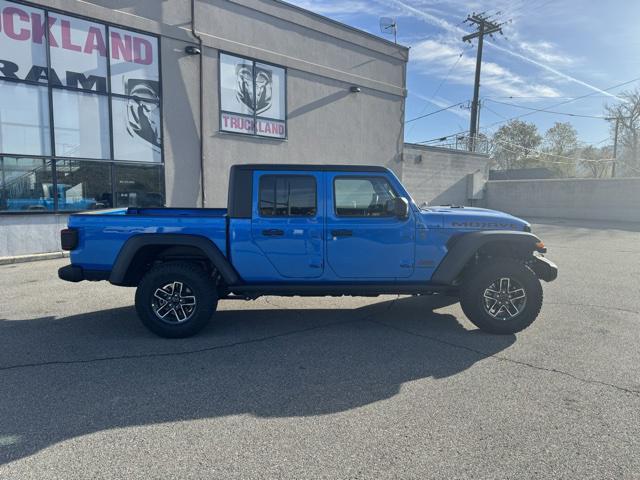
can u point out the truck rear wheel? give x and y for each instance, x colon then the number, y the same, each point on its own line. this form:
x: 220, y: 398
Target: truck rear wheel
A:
x: 176, y: 300
x: 502, y: 297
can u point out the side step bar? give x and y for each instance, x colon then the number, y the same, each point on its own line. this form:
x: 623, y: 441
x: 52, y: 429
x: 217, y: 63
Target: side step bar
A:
x: 339, y: 290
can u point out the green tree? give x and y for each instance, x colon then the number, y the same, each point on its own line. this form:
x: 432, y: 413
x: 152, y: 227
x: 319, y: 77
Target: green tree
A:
x: 515, y: 145
x: 560, y: 146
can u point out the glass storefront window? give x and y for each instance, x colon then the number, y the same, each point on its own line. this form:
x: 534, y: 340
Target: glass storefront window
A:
x: 24, y: 119
x: 138, y: 186
x: 81, y: 123
x: 134, y: 59
x: 136, y: 127
x: 252, y: 97
x: 26, y: 185
x: 23, y: 43
x: 80, y: 58
x: 93, y: 111
x: 83, y: 185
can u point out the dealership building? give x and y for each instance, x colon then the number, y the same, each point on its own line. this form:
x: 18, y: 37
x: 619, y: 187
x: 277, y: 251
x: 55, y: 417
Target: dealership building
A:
x: 117, y: 103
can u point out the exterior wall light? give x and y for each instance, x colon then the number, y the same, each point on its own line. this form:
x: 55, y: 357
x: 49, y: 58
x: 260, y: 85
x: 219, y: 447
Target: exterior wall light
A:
x: 355, y: 89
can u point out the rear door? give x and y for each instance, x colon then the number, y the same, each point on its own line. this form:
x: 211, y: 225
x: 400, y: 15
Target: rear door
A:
x: 288, y: 222
x: 365, y: 239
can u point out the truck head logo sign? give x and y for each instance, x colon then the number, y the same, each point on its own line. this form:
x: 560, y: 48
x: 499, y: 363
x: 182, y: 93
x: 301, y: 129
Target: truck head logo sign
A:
x: 261, y: 102
x: 143, y: 110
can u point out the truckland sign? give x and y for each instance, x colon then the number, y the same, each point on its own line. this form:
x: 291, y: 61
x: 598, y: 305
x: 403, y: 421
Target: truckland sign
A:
x: 252, y: 97
x: 79, y: 52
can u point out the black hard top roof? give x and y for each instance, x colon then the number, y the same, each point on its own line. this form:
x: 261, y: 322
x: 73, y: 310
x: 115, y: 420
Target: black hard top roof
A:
x: 311, y: 167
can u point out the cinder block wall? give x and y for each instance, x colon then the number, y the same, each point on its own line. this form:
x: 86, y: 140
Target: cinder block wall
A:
x: 613, y: 199
x: 439, y: 175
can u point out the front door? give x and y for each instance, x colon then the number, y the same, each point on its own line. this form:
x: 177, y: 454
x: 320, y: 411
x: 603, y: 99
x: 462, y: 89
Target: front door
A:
x: 365, y: 240
x: 288, y: 223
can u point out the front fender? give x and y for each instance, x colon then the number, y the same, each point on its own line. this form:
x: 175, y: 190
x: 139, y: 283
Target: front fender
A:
x: 463, y: 247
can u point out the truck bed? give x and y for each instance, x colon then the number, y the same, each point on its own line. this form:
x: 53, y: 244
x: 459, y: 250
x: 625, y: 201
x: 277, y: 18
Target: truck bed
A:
x: 108, y: 230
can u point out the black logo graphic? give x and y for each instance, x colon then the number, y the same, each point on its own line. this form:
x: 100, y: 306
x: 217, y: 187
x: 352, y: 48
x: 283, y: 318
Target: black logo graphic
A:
x: 260, y: 100
x: 143, y: 110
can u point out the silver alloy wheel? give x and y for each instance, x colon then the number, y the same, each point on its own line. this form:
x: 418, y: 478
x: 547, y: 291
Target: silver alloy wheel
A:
x: 504, y: 299
x: 174, y: 303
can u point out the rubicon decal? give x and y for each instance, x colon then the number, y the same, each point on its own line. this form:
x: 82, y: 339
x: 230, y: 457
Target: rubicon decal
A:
x: 486, y: 225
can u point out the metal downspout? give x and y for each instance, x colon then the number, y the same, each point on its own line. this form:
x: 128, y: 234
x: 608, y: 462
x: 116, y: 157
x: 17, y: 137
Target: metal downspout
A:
x: 203, y: 197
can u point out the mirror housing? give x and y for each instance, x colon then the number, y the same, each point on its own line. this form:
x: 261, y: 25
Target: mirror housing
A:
x: 401, y: 208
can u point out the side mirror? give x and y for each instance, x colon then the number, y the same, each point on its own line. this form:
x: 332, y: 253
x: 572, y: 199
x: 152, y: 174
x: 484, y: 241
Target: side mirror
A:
x: 401, y: 208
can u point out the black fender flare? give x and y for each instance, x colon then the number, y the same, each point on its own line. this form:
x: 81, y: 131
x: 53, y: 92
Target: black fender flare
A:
x: 133, y: 245
x: 463, y: 247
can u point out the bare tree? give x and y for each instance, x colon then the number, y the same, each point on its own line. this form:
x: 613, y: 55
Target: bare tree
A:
x: 596, y: 161
x: 627, y: 114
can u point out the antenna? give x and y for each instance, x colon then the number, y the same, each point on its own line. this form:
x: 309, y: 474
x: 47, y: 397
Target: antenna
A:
x: 388, y: 26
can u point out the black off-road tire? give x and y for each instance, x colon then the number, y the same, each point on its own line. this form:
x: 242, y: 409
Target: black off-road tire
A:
x: 195, y: 282
x: 481, y: 278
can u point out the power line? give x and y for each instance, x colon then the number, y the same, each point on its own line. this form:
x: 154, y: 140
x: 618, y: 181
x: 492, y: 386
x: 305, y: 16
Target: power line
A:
x: 446, y: 77
x: 539, y: 153
x: 542, y: 110
x: 531, y: 113
x: 513, y: 97
x: 433, y: 113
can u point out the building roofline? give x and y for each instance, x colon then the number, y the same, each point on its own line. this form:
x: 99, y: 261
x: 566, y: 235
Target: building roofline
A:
x: 432, y: 148
x: 341, y: 24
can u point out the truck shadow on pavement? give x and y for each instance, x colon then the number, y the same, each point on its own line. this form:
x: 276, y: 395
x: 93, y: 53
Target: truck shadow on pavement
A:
x: 63, y: 378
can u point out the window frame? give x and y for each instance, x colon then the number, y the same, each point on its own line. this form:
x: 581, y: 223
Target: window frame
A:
x: 254, y: 116
x: 360, y: 177
x: 111, y: 161
x: 281, y: 175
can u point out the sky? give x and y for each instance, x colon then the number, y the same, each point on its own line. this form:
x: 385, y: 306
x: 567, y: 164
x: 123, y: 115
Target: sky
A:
x: 552, y: 51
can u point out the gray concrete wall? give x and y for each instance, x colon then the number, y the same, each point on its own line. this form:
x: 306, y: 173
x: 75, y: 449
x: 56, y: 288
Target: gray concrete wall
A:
x: 615, y: 199
x: 28, y: 234
x: 438, y: 176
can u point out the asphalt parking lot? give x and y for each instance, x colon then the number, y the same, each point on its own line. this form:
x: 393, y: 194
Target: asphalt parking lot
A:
x: 328, y: 388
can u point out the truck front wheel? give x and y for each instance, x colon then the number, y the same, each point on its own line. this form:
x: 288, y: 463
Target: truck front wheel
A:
x: 502, y: 297
x: 176, y: 300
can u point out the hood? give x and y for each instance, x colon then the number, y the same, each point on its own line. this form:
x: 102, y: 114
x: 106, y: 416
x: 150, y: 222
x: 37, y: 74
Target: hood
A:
x: 472, y: 218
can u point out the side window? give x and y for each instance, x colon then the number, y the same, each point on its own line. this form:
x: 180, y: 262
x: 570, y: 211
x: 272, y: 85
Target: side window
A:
x: 363, y: 197
x: 287, y: 196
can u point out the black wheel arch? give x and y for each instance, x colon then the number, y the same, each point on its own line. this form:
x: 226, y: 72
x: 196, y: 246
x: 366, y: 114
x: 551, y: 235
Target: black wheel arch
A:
x: 461, y: 250
x: 139, y: 250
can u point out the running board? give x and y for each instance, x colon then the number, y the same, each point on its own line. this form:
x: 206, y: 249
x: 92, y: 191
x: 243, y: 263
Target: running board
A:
x: 339, y: 290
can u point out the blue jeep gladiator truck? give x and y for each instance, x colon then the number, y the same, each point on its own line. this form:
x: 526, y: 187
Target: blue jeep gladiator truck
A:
x: 312, y: 230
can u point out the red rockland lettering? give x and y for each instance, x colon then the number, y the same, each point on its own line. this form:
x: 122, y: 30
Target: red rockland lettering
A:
x: 20, y: 25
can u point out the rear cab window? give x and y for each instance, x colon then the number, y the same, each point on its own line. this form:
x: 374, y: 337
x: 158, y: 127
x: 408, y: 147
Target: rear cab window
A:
x: 287, y: 196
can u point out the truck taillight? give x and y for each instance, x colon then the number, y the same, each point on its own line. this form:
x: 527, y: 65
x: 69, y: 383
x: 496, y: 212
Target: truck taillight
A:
x: 69, y: 238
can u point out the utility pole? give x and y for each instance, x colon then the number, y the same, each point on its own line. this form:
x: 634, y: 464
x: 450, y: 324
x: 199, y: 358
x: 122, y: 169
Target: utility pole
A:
x: 615, y: 148
x: 484, y: 27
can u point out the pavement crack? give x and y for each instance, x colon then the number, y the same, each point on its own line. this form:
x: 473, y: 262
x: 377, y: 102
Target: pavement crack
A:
x: 194, y: 351
x: 510, y: 360
x: 179, y: 353
x: 593, y: 305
